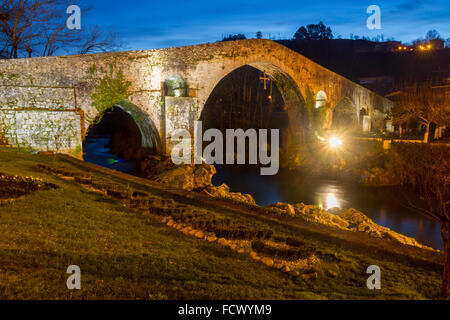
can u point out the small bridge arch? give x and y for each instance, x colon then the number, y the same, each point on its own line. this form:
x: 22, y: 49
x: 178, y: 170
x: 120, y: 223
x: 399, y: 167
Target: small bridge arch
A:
x: 149, y: 136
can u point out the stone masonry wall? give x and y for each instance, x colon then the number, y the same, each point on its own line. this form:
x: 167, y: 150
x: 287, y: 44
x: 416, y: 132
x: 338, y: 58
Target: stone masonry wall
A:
x: 42, y: 130
x: 40, y: 119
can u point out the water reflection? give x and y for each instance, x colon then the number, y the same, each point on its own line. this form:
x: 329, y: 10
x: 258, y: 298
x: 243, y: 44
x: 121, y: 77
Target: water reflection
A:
x: 328, y: 197
x: 331, y: 202
x: 97, y: 151
x: 382, y: 205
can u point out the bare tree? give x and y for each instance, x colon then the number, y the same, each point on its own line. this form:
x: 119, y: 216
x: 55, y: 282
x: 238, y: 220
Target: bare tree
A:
x: 423, y: 103
x: 38, y: 28
x: 96, y: 40
x: 427, y: 169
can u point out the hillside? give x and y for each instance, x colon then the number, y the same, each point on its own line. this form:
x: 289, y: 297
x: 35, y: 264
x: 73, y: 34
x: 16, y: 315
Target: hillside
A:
x: 127, y: 252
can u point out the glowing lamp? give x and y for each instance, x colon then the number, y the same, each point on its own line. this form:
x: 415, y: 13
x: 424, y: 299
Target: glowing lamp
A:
x: 334, y: 142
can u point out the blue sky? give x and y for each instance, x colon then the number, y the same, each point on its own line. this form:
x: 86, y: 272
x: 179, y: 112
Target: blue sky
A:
x: 148, y: 24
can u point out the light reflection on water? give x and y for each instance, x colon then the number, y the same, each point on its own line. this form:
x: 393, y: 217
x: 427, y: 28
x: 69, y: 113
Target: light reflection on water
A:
x: 328, y: 197
x: 382, y: 205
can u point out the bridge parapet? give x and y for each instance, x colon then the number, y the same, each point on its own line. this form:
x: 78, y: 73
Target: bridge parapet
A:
x: 37, y: 97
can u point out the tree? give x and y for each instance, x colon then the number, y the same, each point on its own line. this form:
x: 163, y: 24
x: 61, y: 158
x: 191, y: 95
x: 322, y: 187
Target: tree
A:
x: 259, y: 35
x: 38, y: 28
x: 4, y: 15
x: 423, y: 103
x: 427, y: 169
x: 432, y: 35
x: 234, y: 37
x: 314, y: 32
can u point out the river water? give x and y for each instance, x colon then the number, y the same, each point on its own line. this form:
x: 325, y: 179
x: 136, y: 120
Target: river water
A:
x: 97, y: 151
x: 382, y: 205
x: 385, y: 206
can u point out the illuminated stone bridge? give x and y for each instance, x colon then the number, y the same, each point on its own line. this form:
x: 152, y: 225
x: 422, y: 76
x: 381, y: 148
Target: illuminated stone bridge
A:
x: 49, y: 103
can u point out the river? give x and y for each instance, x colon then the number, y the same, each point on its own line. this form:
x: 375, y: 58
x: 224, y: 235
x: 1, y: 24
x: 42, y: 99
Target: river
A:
x: 96, y: 151
x: 382, y: 205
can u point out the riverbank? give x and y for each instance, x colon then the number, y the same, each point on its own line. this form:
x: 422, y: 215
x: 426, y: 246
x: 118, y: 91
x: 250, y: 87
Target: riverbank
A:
x: 199, y: 178
x: 128, y: 253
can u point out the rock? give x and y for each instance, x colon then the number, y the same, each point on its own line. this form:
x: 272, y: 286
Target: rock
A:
x: 199, y: 235
x: 186, y: 230
x: 267, y: 261
x: 284, y: 207
x: 254, y: 256
x: 223, y: 242
x: 203, y: 176
x: 286, y: 269
x: 310, y: 276
x: 294, y: 273
x: 211, y: 239
x: 332, y: 273
x: 223, y: 192
x: 170, y: 223
x: 188, y: 177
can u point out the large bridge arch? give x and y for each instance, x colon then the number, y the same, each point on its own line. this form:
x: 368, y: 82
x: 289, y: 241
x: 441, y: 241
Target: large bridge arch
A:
x: 293, y: 99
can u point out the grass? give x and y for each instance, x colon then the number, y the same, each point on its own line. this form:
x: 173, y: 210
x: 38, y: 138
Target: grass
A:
x: 124, y: 254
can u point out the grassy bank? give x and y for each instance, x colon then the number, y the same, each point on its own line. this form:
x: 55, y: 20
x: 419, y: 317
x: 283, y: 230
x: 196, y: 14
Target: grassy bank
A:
x: 124, y: 254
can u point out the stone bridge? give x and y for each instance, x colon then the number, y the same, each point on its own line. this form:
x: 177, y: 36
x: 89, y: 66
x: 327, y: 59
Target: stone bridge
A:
x: 49, y: 103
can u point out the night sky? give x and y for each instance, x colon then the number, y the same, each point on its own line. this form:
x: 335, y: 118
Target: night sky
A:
x: 148, y: 24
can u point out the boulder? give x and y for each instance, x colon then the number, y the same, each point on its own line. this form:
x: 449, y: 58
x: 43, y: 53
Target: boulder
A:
x: 267, y: 261
x: 223, y: 192
x: 286, y: 269
x: 188, y: 177
x: 223, y: 242
x: 254, y: 256
x: 284, y: 207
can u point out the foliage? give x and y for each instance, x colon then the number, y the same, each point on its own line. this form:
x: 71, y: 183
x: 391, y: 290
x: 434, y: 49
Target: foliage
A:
x: 313, y: 116
x: 234, y: 37
x: 424, y: 104
x: 110, y: 91
x: 432, y: 35
x: 427, y: 169
x: 314, y: 32
x: 77, y: 153
x: 2, y: 139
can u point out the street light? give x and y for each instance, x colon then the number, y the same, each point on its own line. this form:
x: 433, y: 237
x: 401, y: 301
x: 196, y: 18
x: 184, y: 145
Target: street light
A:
x: 334, y: 142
